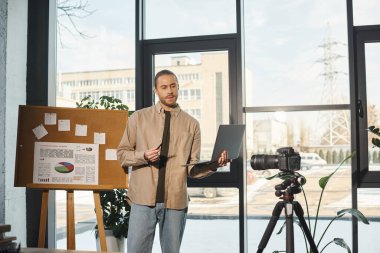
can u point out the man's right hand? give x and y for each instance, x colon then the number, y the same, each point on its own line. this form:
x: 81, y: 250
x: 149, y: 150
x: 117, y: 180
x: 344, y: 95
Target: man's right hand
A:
x: 152, y: 155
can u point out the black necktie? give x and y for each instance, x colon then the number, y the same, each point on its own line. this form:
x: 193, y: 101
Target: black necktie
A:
x: 160, y: 196
x: 165, y: 140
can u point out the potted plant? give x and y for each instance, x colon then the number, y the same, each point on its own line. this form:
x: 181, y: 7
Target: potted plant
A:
x: 322, y: 184
x: 115, y: 217
x: 115, y: 208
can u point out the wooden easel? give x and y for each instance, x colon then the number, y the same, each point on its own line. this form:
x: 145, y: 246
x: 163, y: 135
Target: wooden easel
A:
x: 110, y: 174
x: 70, y: 217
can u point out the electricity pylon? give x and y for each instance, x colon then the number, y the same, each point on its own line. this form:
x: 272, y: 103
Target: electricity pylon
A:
x: 335, y: 125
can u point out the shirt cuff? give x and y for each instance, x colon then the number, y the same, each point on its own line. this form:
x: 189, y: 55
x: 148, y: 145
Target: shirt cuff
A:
x: 140, y: 159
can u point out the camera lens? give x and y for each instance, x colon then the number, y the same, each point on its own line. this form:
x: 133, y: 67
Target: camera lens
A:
x: 264, y: 162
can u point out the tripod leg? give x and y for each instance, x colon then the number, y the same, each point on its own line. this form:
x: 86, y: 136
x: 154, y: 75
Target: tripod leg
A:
x: 299, y: 212
x: 289, y: 227
x: 270, y: 227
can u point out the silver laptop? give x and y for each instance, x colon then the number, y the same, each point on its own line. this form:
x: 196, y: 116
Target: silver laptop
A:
x: 230, y: 138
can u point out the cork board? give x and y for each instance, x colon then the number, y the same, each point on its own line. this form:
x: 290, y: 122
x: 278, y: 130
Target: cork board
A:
x: 110, y: 122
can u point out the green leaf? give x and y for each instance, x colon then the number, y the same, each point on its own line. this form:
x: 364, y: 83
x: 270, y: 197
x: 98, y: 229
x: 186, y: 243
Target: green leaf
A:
x: 284, y: 175
x: 376, y: 142
x: 370, y: 128
x: 354, y: 212
x: 274, y: 176
x: 281, y: 228
x: 374, y: 130
x: 324, y: 180
x: 302, y: 180
x: 342, y: 243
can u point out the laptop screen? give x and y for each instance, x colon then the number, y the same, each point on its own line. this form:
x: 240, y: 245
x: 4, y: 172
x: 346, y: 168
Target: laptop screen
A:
x: 230, y: 138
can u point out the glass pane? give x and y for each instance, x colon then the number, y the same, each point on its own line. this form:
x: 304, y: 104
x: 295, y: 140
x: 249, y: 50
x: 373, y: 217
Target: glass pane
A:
x: 203, y: 90
x: 212, y: 235
x: 204, y: 93
x: 95, y: 53
x: 95, y: 56
x: 85, y: 220
x: 208, y: 217
x: 366, y: 12
x: 296, y: 53
x: 172, y: 18
x: 369, y: 204
x: 372, y: 65
x: 322, y: 145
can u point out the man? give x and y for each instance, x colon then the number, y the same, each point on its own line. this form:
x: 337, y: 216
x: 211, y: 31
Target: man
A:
x: 157, y: 142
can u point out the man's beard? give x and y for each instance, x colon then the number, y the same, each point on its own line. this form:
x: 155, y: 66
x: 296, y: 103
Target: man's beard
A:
x: 169, y: 105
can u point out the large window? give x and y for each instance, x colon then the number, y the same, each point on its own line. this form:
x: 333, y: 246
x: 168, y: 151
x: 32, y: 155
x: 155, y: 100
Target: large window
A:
x: 367, y: 50
x: 364, y: 78
x: 95, y: 57
x: 297, y: 95
x: 372, y: 53
x: 207, y: 88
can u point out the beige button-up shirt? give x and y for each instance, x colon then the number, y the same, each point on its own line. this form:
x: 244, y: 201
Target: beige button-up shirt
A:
x: 144, y: 132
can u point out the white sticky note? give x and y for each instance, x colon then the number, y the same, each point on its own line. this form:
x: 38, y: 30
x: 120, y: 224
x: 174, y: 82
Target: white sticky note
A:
x: 40, y: 131
x: 64, y: 125
x: 111, y: 154
x: 50, y: 118
x: 99, y: 138
x: 80, y: 130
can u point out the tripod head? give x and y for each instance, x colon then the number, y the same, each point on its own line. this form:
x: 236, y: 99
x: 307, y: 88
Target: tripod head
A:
x: 291, y: 185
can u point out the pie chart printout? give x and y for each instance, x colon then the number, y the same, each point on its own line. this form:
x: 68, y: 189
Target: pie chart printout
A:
x: 64, y: 167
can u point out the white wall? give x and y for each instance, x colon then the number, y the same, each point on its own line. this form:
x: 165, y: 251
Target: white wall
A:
x: 3, y: 26
x: 15, y: 90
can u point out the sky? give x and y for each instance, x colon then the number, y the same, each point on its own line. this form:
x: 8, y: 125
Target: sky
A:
x: 110, y: 43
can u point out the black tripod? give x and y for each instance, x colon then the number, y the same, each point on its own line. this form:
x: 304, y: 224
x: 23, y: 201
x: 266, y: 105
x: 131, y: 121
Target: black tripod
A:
x: 286, y: 191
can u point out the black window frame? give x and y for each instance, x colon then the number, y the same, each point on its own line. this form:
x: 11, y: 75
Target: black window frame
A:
x: 199, y: 44
x: 363, y: 35
x: 144, y: 94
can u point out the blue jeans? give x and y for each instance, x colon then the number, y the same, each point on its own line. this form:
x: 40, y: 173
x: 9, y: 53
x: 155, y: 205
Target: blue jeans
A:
x: 142, y: 227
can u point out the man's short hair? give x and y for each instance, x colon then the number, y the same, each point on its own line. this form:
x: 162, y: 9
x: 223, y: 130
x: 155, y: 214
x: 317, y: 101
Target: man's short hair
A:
x: 162, y: 73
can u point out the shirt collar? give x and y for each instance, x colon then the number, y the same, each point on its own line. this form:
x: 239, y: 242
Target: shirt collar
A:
x: 174, y: 112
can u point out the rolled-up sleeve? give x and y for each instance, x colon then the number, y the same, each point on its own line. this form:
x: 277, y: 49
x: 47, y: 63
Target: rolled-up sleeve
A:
x: 126, y: 151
